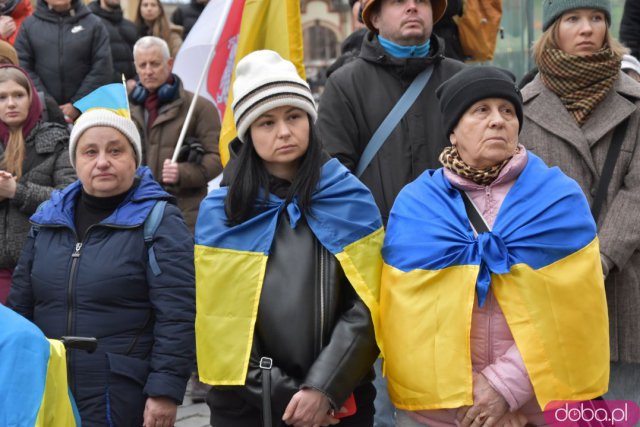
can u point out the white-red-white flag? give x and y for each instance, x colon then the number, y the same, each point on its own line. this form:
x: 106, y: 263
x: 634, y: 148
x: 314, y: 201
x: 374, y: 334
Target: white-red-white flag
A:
x: 193, y: 53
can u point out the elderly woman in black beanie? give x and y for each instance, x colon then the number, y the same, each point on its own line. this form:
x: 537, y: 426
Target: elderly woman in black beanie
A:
x: 497, y: 255
x: 583, y: 115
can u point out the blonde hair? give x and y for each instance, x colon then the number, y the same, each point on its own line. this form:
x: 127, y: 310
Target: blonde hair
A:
x: 549, y: 40
x: 160, y: 27
x: 15, y: 151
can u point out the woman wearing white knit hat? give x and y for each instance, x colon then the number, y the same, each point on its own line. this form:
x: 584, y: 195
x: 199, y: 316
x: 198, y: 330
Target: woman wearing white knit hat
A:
x: 287, y: 267
x: 111, y: 257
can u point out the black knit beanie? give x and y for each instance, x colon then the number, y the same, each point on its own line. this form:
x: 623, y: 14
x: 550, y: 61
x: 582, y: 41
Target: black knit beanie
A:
x: 473, y: 84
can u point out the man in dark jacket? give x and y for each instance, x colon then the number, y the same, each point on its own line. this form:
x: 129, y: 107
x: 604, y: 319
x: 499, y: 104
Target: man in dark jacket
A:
x: 122, y: 35
x: 630, y: 27
x: 359, y: 95
x: 65, y: 49
x: 187, y: 14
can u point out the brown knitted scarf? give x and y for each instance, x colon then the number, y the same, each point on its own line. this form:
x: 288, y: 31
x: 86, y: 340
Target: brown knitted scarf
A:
x: 450, y: 159
x: 580, y: 82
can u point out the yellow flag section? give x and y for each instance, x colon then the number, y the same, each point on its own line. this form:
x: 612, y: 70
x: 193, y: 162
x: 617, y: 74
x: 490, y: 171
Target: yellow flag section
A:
x: 557, y: 324
x: 228, y: 289
x: 426, y: 331
x: 362, y: 264
x: 266, y: 24
x: 57, y: 408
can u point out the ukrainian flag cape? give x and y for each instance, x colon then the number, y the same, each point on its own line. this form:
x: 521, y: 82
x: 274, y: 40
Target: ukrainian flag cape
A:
x: 33, y: 373
x: 231, y: 262
x: 542, y: 262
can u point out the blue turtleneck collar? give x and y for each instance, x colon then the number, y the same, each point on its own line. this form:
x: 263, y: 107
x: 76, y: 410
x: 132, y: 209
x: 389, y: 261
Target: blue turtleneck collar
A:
x: 393, y: 49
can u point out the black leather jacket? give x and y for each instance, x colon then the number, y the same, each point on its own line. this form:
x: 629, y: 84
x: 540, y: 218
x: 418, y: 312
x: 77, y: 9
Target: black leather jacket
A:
x: 311, y: 322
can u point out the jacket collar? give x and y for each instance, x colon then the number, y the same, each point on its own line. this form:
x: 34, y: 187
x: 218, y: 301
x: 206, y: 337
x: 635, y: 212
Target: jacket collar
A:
x: 407, y: 68
x: 60, y: 209
x: 544, y: 107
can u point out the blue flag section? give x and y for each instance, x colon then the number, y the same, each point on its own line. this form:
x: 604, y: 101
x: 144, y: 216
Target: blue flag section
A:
x: 109, y: 97
x: 534, y: 226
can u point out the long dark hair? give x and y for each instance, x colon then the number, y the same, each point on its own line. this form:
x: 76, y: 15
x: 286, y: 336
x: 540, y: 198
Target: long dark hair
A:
x: 250, y: 181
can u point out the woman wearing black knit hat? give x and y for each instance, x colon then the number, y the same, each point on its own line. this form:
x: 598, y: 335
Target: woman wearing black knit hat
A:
x: 496, y: 255
x: 583, y: 115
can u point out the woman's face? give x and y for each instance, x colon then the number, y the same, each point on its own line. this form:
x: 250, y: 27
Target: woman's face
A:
x: 14, y: 104
x: 149, y: 10
x: 487, y: 133
x: 105, y: 162
x: 281, y: 137
x: 582, y: 32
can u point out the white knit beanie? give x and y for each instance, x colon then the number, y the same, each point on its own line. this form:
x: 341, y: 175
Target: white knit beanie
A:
x: 630, y: 63
x: 103, y: 117
x: 265, y: 81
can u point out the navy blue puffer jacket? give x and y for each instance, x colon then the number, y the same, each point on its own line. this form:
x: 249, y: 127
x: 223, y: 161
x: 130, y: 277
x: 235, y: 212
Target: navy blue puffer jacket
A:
x: 103, y: 287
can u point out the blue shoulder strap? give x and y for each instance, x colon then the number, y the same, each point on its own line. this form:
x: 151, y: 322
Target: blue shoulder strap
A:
x: 393, y: 118
x: 151, y: 224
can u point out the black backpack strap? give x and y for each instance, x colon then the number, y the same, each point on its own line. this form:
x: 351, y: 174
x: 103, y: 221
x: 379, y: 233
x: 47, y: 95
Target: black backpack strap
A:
x: 151, y: 224
x: 607, y: 169
x: 474, y: 215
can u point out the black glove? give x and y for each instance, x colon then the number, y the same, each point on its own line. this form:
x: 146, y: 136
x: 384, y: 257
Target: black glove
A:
x: 191, y: 151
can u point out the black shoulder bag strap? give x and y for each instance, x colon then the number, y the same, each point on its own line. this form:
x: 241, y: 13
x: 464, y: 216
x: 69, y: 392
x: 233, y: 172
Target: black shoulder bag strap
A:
x: 266, y: 363
x: 607, y: 169
x: 475, y: 217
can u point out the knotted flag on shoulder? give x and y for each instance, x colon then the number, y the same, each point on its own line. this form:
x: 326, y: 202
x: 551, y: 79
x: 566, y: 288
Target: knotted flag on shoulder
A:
x: 541, y: 261
x: 33, y: 373
x: 231, y: 263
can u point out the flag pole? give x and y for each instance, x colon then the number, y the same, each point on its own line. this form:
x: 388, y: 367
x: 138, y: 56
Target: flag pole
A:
x: 126, y: 95
x: 216, y: 36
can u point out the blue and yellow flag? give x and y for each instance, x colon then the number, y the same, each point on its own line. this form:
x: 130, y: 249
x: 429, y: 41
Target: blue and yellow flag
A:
x: 109, y: 97
x: 542, y: 263
x: 33, y: 374
x: 231, y: 263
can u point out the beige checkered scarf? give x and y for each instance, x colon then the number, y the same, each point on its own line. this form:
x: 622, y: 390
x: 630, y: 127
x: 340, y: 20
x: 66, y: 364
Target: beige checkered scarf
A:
x: 580, y: 82
x: 450, y: 159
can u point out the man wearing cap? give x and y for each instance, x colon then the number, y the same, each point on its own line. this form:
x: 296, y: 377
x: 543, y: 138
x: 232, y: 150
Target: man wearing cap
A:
x: 159, y: 106
x: 358, y: 97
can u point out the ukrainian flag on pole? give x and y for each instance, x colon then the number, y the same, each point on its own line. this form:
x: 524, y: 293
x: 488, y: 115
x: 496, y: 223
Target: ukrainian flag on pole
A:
x: 111, y: 97
x: 266, y: 24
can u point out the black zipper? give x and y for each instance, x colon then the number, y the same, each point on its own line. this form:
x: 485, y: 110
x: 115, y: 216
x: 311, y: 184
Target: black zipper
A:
x: 75, y: 258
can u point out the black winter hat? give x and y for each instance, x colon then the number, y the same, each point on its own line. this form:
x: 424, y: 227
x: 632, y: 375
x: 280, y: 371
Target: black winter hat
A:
x: 473, y: 84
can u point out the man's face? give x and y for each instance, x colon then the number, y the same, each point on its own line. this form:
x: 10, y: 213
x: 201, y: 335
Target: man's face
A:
x: 404, y: 22
x: 152, y: 68
x: 59, y: 5
x: 110, y: 4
